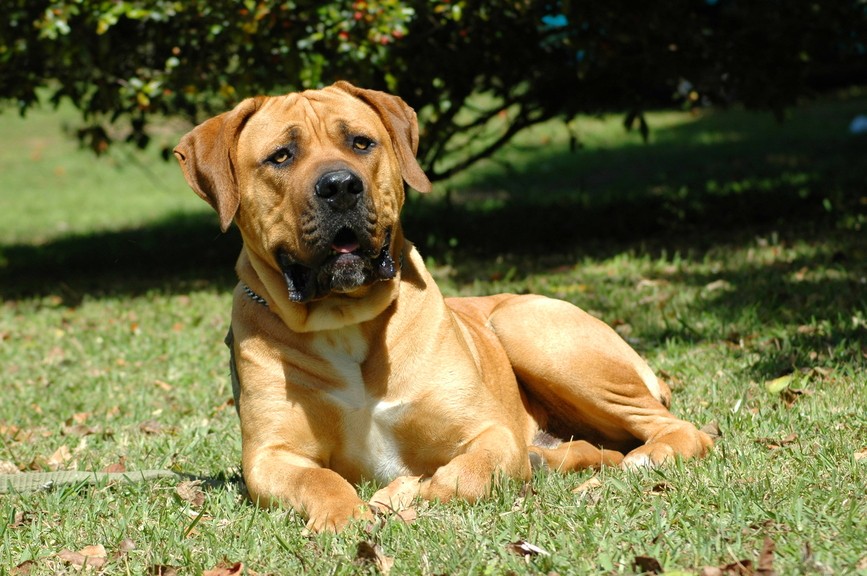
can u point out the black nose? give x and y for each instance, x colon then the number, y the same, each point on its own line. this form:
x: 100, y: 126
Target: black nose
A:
x: 340, y: 188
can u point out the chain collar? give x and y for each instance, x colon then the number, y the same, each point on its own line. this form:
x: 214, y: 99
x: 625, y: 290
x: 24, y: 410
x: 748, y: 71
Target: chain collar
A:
x: 253, y: 296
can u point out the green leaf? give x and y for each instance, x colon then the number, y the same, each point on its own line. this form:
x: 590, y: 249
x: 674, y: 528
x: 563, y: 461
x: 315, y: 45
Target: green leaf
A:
x: 777, y: 385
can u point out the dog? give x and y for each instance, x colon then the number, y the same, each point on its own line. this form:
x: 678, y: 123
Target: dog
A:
x: 347, y: 361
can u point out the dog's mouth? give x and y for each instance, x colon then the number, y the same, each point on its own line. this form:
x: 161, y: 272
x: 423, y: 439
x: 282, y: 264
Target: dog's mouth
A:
x: 347, y: 264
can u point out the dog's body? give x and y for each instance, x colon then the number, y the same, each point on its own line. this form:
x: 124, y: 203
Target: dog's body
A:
x: 350, y: 362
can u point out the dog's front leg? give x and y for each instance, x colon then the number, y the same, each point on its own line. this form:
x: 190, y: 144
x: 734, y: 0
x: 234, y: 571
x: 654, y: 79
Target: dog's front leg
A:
x: 470, y: 475
x: 322, y: 496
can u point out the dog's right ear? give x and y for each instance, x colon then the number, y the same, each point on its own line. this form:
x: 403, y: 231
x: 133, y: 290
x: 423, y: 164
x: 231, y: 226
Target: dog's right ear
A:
x: 207, y: 156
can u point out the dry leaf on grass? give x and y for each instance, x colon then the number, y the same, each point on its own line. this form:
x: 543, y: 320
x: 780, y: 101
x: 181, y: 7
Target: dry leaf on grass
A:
x: 60, y: 457
x: 225, y: 569
x: 119, y: 466
x: 746, y: 567
x: 712, y: 429
x: 526, y: 549
x: 191, y: 491
x: 774, y: 444
x: 647, y: 565
x: 590, y: 484
x: 766, y: 558
x: 861, y: 455
x: 89, y: 556
x: 20, y: 519
x: 150, y: 427
x: 407, y: 515
x: 739, y: 568
x: 23, y: 569
x: 7, y: 467
x: 370, y: 553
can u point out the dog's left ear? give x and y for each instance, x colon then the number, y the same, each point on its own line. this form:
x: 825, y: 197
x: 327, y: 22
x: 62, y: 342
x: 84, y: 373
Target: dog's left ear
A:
x: 402, y: 124
x: 207, y: 156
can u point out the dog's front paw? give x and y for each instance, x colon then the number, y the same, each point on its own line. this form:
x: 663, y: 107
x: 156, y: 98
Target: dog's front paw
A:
x: 398, y: 495
x: 335, y: 517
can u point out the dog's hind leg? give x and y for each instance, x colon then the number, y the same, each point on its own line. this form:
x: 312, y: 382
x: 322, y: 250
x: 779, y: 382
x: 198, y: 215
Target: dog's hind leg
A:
x: 571, y: 456
x: 588, y: 383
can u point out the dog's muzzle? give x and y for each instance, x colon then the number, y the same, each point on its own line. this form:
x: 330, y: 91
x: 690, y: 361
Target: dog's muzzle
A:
x: 346, y: 257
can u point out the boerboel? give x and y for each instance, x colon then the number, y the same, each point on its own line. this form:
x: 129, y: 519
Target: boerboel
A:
x: 348, y: 362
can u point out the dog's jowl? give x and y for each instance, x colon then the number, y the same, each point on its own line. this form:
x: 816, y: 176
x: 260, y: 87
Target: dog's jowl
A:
x: 350, y: 364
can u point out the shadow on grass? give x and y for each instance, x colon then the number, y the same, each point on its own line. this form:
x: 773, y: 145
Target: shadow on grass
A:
x: 175, y: 255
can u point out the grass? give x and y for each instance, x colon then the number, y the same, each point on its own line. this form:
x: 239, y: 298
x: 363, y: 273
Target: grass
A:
x: 729, y: 250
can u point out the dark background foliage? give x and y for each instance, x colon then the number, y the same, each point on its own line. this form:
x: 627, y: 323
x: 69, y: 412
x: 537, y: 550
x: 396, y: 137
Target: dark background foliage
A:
x: 478, y: 71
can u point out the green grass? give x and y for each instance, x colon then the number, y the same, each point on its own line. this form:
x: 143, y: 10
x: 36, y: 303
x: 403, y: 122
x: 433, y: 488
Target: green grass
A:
x: 729, y: 250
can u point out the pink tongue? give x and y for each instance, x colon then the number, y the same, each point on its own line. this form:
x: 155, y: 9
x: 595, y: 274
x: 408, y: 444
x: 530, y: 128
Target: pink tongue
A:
x: 345, y: 248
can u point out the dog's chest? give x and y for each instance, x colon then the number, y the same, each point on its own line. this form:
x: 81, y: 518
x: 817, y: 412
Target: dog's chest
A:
x: 368, y: 447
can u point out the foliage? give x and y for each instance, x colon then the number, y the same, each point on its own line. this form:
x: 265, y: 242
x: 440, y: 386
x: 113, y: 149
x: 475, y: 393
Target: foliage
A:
x: 533, y: 60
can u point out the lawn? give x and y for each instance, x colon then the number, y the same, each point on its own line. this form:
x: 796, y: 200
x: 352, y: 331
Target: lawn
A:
x: 730, y: 250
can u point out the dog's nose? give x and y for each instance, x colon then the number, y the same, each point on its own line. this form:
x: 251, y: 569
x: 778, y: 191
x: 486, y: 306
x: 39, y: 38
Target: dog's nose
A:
x: 340, y: 188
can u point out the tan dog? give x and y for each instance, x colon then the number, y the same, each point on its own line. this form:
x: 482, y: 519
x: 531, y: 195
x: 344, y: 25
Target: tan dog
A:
x: 350, y: 364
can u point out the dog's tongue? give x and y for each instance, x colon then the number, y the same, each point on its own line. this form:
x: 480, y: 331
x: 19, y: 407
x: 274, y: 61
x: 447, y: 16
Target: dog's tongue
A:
x: 347, y: 248
x: 345, y: 243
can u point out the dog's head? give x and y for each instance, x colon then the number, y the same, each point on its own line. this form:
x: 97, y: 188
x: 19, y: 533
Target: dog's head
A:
x: 314, y: 181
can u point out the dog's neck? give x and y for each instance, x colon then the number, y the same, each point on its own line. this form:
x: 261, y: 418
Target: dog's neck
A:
x: 265, y: 285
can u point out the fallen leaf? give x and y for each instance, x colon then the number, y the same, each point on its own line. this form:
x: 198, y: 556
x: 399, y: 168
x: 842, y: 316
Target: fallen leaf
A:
x: 225, y: 570
x: 163, y: 385
x: 23, y: 569
x: 590, y: 484
x: 647, y: 564
x: 60, y: 457
x: 739, y: 568
x: 21, y: 519
x: 119, y: 466
x: 90, y: 556
x: 7, y: 467
x: 126, y: 545
x: 660, y: 487
x: 407, y: 515
x: 861, y: 455
x: 766, y: 558
x: 526, y: 549
x: 79, y: 430
x: 774, y: 444
x: 150, y: 427
x: 777, y: 385
x: 191, y: 491
x: 713, y: 430
x: 370, y: 553
x: 718, y: 285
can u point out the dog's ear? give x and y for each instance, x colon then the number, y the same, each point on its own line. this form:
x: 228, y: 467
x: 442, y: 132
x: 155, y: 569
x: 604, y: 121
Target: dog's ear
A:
x: 401, y: 122
x: 207, y: 156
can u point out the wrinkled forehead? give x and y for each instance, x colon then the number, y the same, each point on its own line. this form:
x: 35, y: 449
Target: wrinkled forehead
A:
x: 314, y: 115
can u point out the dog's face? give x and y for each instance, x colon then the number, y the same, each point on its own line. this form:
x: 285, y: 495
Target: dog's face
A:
x: 314, y: 181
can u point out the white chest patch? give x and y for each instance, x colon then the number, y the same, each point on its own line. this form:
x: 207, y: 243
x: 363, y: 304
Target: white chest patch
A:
x: 368, y: 422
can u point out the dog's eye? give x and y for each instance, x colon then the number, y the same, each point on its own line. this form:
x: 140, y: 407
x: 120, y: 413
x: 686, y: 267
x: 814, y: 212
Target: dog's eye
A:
x: 362, y: 143
x: 280, y: 157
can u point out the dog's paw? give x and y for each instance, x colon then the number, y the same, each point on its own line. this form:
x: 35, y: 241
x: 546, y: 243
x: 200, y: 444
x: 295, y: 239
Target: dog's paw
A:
x: 648, y: 456
x: 398, y: 495
x: 686, y: 443
x: 335, y: 519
